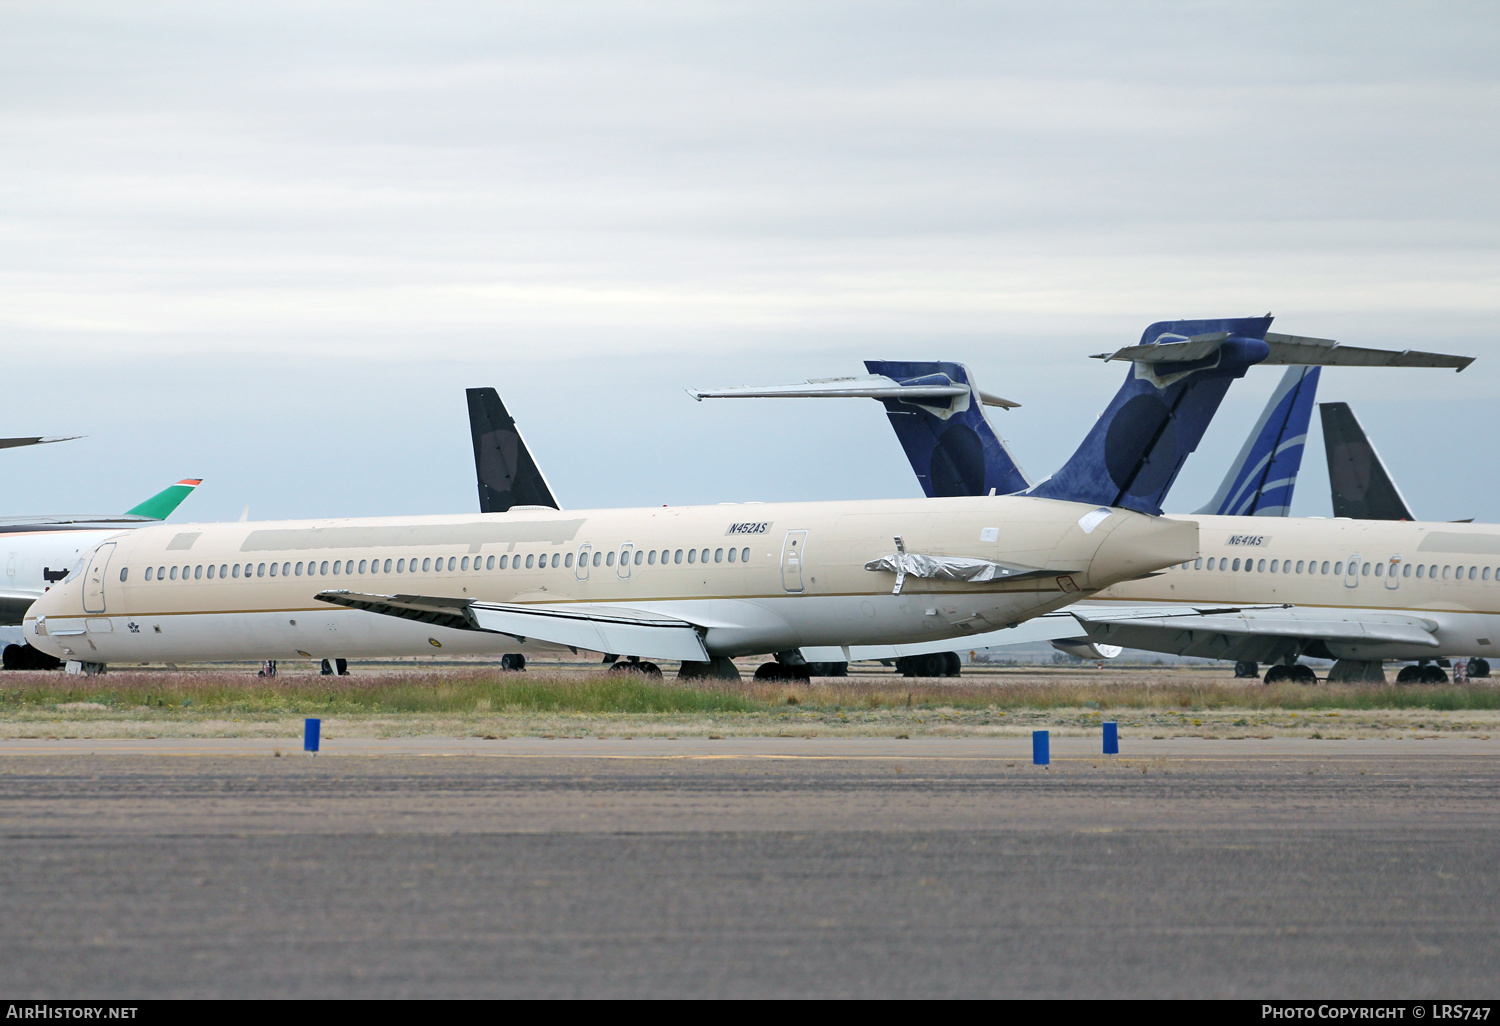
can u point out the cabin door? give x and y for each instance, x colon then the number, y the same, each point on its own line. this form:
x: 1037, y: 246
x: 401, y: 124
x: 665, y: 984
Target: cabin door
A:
x: 792, y: 554
x: 1351, y: 571
x: 1393, y: 573
x: 582, y: 570
x: 93, y: 578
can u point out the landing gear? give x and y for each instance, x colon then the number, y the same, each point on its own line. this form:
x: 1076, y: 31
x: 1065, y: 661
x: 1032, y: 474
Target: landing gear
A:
x: 1294, y: 673
x: 1357, y: 671
x: 1479, y: 668
x: 1247, y: 668
x: 513, y: 661
x: 1422, y: 673
x: 24, y: 657
x: 828, y: 669
x: 339, y: 666
x: 783, y: 672
x: 717, y: 668
x: 935, y: 664
x: 634, y: 665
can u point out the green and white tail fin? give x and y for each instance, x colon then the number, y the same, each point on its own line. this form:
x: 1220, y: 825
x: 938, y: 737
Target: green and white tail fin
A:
x: 163, y: 503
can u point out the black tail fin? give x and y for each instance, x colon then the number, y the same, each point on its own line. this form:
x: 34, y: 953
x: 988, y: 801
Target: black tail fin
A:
x: 1362, y: 487
x: 507, y: 474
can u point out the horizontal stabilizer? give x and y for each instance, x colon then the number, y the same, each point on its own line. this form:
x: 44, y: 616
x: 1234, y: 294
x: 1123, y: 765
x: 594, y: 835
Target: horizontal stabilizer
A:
x: 876, y: 386
x: 626, y: 632
x: 16, y: 443
x: 1291, y: 350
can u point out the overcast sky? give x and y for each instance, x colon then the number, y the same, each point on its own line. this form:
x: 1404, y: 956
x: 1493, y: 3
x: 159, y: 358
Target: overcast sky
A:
x: 269, y: 245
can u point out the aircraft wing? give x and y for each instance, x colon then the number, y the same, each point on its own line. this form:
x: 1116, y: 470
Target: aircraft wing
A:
x: 597, y: 628
x: 14, y: 443
x: 1116, y: 626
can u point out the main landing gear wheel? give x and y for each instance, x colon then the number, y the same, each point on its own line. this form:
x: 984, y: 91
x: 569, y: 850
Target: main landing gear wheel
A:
x: 936, y: 664
x: 828, y: 669
x: 783, y: 672
x: 1409, y: 674
x: 24, y: 657
x: 1433, y: 675
x: 1295, y: 673
x: 1247, y: 668
x: 643, y: 668
x: 513, y: 661
x: 1479, y: 668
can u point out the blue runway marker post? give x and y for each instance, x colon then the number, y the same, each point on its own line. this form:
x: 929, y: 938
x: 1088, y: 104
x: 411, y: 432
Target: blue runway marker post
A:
x: 310, y: 731
x: 1041, y: 754
x: 1111, y: 738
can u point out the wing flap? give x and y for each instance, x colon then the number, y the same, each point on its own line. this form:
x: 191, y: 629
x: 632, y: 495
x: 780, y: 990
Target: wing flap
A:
x: 1264, y: 621
x: 596, y: 628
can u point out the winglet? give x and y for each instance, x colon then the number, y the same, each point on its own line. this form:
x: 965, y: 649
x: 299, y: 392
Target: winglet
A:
x: 161, y: 505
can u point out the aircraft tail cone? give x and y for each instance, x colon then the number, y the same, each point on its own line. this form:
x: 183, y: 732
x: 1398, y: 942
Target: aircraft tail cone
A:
x: 1141, y: 544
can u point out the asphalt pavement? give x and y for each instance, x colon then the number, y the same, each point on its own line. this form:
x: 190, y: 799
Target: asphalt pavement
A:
x: 727, y: 868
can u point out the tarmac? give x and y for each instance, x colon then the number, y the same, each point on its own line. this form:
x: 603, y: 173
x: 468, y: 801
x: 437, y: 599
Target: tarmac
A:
x: 579, y: 867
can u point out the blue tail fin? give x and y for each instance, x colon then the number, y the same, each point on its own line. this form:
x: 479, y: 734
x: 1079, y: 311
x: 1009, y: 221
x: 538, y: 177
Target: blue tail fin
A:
x: 950, y: 444
x: 1178, y: 376
x: 1261, y: 480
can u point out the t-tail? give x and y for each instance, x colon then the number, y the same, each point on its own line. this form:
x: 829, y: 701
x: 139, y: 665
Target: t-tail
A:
x: 1263, y: 477
x: 1362, y: 487
x: 1178, y: 376
x: 949, y: 442
x: 507, y: 475
x: 937, y: 413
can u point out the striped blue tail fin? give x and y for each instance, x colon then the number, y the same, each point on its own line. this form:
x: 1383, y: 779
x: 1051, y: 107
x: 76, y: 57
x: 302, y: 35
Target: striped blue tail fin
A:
x: 1261, y: 480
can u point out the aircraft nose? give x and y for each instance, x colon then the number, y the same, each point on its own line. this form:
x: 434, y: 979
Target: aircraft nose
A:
x: 1140, y: 544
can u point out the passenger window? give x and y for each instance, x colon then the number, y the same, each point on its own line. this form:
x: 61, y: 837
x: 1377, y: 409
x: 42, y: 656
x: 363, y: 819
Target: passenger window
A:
x: 745, y: 554
x: 1262, y: 566
x: 1273, y: 566
x: 161, y: 573
x: 198, y: 572
x: 1445, y: 573
x: 718, y: 555
x: 387, y: 568
x: 1338, y: 569
x: 465, y: 564
x: 529, y: 560
x: 1422, y: 570
x: 426, y: 563
x: 703, y: 557
x: 568, y: 560
x: 1365, y: 570
x: 273, y: 569
x: 556, y: 559
x: 234, y: 572
x: 1378, y: 567
x: 1299, y: 566
x: 489, y: 562
x: 504, y: 562
x: 1472, y: 571
x: 1210, y: 562
x: 651, y: 558
x: 1406, y: 570
x: 597, y: 557
x: 677, y: 556
x: 210, y: 571
x: 401, y: 566
x: 639, y: 555
x: 609, y: 558
x: 1198, y: 563
x: 125, y: 572
x: 692, y: 555
x: 260, y: 570
x: 733, y: 553
x: 1432, y: 571
x: 148, y: 572
x: 174, y: 573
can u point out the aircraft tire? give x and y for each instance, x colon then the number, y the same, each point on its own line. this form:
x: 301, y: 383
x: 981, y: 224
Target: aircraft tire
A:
x: 326, y: 670
x: 1433, y: 675
x: 1411, y: 674
x: 1246, y: 668
x: 953, y: 666
x: 1479, y: 667
x: 513, y: 661
x: 1303, y: 674
x: 342, y: 665
x: 1277, y: 674
x: 773, y: 671
x: 24, y: 657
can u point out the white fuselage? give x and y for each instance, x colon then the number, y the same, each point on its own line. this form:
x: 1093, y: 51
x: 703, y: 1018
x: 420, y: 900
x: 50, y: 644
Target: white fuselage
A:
x: 754, y: 578
x: 33, y: 559
x: 1400, y: 567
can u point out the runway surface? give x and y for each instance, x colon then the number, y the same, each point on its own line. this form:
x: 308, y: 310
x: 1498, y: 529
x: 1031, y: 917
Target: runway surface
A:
x: 879, y: 867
